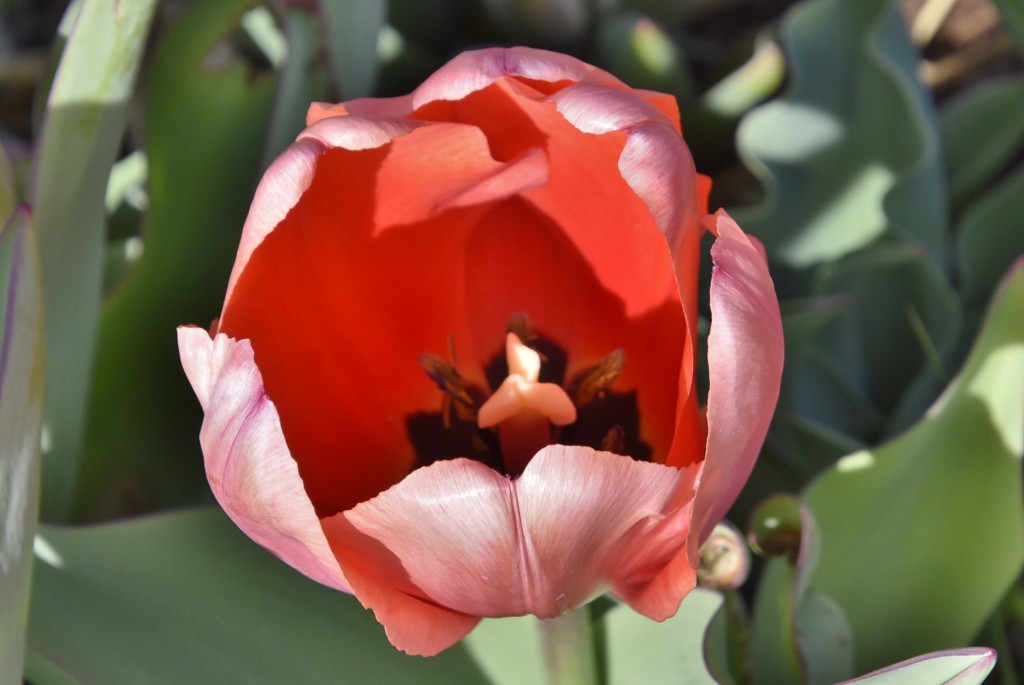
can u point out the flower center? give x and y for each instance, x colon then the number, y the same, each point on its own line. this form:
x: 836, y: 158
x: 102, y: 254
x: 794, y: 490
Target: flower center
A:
x: 524, y: 414
x: 523, y: 408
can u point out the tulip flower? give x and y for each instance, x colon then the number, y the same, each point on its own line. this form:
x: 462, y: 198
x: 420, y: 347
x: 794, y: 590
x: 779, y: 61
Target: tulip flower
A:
x: 454, y: 373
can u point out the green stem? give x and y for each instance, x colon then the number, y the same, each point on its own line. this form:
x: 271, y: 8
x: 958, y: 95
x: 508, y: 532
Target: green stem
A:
x: 568, y: 646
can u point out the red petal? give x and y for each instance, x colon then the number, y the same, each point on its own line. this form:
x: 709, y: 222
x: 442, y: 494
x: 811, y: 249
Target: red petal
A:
x: 745, y: 355
x: 250, y: 470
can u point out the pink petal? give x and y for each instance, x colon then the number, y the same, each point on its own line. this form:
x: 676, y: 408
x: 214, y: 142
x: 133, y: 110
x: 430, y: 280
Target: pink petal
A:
x: 476, y: 69
x: 745, y: 354
x: 250, y: 470
x: 465, y: 537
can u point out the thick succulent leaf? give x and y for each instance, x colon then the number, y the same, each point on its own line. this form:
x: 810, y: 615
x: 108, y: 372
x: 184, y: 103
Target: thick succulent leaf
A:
x: 351, y: 29
x: 981, y: 133
x: 933, y: 519
x: 507, y: 650
x: 990, y: 237
x: 21, y: 406
x: 81, y: 134
x: 900, y: 330
x: 1012, y: 13
x: 799, y: 635
x: 850, y: 153
x: 952, y: 667
x: 638, y: 51
x: 299, y: 81
x: 206, y: 114
x: 642, y: 651
x: 118, y: 604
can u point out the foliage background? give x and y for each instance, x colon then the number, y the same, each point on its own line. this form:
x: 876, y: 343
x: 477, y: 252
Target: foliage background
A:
x: 875, y: 147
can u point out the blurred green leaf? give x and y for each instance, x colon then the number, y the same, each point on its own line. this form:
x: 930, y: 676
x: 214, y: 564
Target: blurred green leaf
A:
x: 21, y: 406
x: 558, y: 24
x: 507, y: 650
x: 923, y: 535
x: 990, y: 237
x: 81, y: 133
x: 299, y: 82
x: 750, y: 84
x: 900, y: 329
x: 8, y: 191
x: 850, y: 153
x: 799, y: 635
x: 1012, y: 12
x: 206, y: 114
x: 952, y: 667
x: 638, y: 51
x: 352, y: 28
x: 642, y: 651
x: 982, y: 130
x: 187, y: 598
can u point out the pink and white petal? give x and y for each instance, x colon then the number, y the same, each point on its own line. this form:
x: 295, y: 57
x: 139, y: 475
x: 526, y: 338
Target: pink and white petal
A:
x: 413, y: 624
x: 745, y: 356
x: 582, y: 514
x: 658, y: 166
x: 250, y: 470
x: 357, y: 132
x: 476, y: 69
x: 478, y: 543
x: 656, y: 575
x: 599, y: 108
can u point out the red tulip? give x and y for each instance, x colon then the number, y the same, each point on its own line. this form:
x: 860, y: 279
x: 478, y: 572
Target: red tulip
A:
x: 454, y: 373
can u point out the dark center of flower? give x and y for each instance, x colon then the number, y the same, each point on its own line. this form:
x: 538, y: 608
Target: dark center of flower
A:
x: 531, y: 406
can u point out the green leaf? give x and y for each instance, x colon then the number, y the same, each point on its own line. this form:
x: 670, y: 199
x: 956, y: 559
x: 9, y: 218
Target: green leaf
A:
x: 642, y: 651
x: 990, y: 237
x: 923, y: 535
x: 507, y: 650
x: 187, y: 598
x: 206, y: 114
x: 1012, y: 13
x: 799, y: 635
x: 850, y: 154
x: 981, y: 133
x: 638, y: 51
x: 952, y: 667
x: 352, y: 28
x: 21, y: 406
x: 901, y: 329
x: 81, y: 133
x: 300, y: 81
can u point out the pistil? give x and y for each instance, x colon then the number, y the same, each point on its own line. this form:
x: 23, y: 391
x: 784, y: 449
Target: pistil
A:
x: 524, y: 409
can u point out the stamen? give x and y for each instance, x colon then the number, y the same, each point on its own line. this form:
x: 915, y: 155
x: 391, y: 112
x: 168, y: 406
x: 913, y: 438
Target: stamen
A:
x: 524, y: 407
x: 591, y: 383
x: 449, y: 381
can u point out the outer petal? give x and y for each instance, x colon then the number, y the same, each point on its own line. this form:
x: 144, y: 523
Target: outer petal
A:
x: 250, y: 470
x: 476, y: 69
x: 655, y: 162
x: 290, y: 174
x: 463, y: 536
x: 745, y: 354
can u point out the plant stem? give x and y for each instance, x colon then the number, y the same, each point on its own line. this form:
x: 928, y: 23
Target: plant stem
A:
x: 568, y: 646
